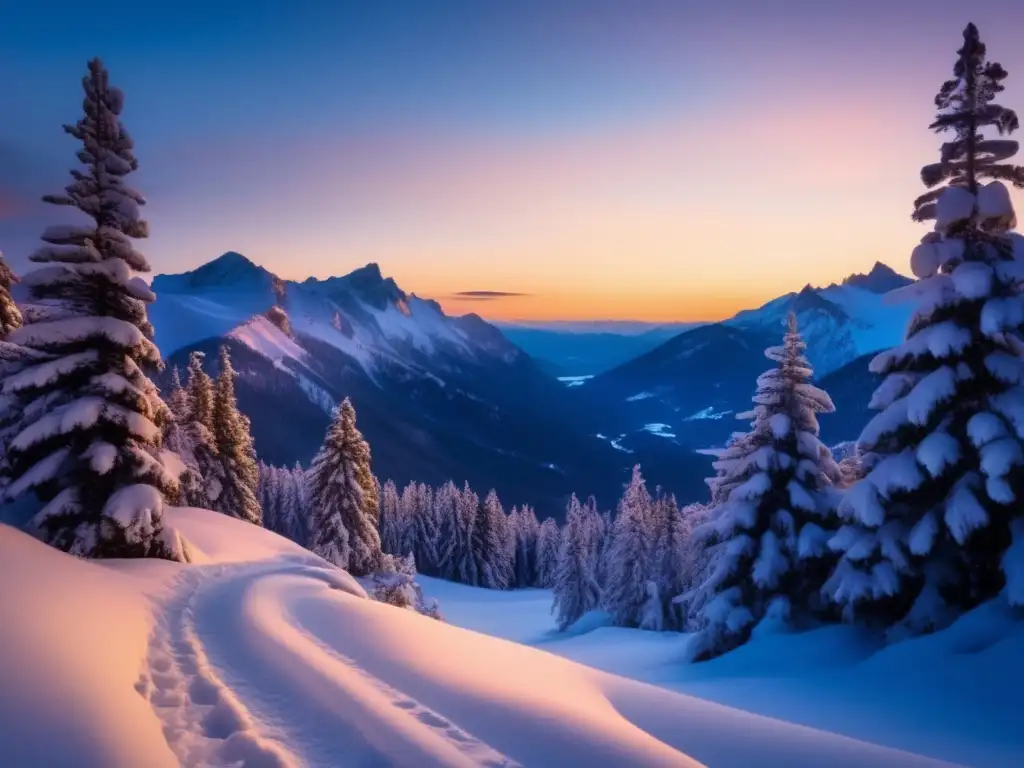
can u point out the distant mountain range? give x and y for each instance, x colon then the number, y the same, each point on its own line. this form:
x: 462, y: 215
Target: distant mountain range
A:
x: 688, y: 389
x: 439, y: 397
x: 442, y: 397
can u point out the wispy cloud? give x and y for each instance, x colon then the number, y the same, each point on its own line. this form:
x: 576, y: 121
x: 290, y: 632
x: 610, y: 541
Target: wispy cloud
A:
x: 485, y: 295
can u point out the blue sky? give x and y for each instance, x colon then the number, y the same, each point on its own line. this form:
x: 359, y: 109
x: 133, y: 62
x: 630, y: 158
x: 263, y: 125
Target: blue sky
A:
x: 666, y: 160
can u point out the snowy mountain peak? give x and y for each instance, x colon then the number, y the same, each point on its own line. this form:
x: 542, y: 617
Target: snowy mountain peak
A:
x: 810, y: 300
x: 231, y: 270
x: 881, y: 279
x: 367, y: 283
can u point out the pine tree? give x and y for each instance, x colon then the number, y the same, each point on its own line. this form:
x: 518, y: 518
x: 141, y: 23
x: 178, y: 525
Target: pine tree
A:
x: 238, y: 474
x: 575, y: 590
x: 527, y: 532
x: 392, y: 522
x: 90, y: 439
x: 489, y: 547
x: 466, y: 505
x: 409, y: 500
x: 342, y: 522
x: 178, y: 438
x: 198, y: 429
x: 549, y: 543
x: 770, y: 544
x: 630, y: 556
x: 670, y: 566
x: 302, y: 489
x: 929, y: 527
x: 450, y: 534
x: 291, y: 507
x: 425, y: 535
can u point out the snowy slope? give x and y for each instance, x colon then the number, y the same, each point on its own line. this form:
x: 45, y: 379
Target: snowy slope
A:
x: 263, y: 656
x: 910, y: 696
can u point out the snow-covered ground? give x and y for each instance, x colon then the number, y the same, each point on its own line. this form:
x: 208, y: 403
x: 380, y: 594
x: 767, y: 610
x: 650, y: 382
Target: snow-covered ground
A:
x: 260, y: 654
x: 954, y: 696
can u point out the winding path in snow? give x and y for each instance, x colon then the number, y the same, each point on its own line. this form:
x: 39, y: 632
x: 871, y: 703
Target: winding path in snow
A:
x: 233, y: 681
x: 279, y: 664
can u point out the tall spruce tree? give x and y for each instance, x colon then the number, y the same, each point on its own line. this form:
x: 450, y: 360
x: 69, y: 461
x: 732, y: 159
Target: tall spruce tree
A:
x: 178, y: 437
x: 89, y: 443
x: 238, y: 475
x: 935, y: 525
x: 631, y: 554
x: 549, y: 543
x: 198, y: 429
x: 467, y: 504
x: 769, y: 534
x: 575, y: 589
x: 670, y: 566
x: 527, y: 531
x: 426, y: 526
x: 451, y: 536
x: 392, y: 521
x: 343, y: 525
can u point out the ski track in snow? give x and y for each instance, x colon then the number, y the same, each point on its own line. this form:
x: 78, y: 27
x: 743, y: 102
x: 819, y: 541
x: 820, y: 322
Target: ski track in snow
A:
x: 232, y: 682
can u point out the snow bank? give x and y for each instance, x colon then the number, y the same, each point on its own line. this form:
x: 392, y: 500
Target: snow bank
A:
x: 838, y: 679
x: 73, y: 640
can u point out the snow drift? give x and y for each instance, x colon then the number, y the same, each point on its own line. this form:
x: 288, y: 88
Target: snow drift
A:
x: 264, y: 656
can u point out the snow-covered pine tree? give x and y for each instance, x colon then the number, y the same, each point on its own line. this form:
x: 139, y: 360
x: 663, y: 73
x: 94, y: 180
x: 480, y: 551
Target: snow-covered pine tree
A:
x: 527, y: 532
x: 450, y: 534
x: 302, y: 488
x: 575, y: 589
x: 178, y: 438
x: 90, y: 439
x: 931, y: 528
x: 392, y: 521
x: 670, y: 558
x: 770, y: 554
x: 291, y: 507
x: 549, y: 543
x: 237, y: 457
x: 409, y: 499
x: 467, y: 503
x: 630, y: 556
x: 343, y: 528
x: 426, y: 528
x: 595, y: 534
x: 488, y: 545
x: 199, y: 435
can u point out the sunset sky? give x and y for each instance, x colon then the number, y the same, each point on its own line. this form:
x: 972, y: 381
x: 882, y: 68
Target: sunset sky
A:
x: 646, y: 160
